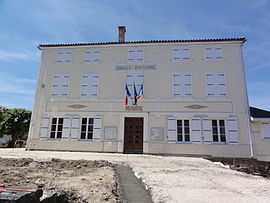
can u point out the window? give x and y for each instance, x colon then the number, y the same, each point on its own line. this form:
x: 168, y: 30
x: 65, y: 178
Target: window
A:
x: 266, y: 131
x: 60, y: 85
x: 180, y: 53
x: 64, y: 57
x: 182, y: 84
x: 136, y: 55
x: 92, y: 56
x: 218, y: 130
x: 216, y: 85
x: 57, y: 128
x: 213, y: 53
x: 183, y: 132
x: 87, y: 128
x: 90, y: 83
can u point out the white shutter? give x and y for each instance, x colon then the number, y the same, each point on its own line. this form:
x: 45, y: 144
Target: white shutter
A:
x: 180, y: 53
x: 88, y: 56
x: 92, y: 56
x: 221, y: 85
x: 67, y: 56
x: 233, y: 131
x: 207, y: 131
x: 96, y: 56
x: 265, y: 131
x: 171, y: 130
x: 134, y: 77
x: 138, y: 81
x: 210, y: 81
x: 56, y: 85
x: 94, y: 85
x: 85, y: 89
x: 131, y: 55
x: 187, y: 87
x: 64, y: 86
x: 196, y: 130
x: 177, y: 84
x: 139, y: 55
x: 44, y: 127
x: 75, y: 128
x: 66, y: 127
x: 60, y: 57
x: 213, y: 53
x: 97, y: 128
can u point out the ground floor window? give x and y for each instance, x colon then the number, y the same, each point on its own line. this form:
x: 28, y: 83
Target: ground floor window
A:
x: 183, y: 131
x: 56, y: 128
x: 87, y: 128
x: 218, y: 130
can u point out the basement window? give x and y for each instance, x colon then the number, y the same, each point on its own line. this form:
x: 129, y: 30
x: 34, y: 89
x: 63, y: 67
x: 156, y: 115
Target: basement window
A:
x: 87, y: 128
x: 57, y: 128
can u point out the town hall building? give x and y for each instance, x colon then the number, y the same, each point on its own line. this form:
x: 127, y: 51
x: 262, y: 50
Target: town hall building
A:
x: 186, y: 97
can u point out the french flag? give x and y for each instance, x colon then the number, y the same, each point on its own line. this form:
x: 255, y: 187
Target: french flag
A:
x: 140, y: 93
x: 127, y: 95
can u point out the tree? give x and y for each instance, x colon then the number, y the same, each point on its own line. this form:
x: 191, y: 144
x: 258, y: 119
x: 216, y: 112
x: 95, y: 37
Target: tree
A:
x: 17, y: 124
x: 4, y: 114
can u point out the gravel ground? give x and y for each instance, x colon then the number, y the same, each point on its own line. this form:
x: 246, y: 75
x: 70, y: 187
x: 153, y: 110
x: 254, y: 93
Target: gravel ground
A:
x: 174, y: 179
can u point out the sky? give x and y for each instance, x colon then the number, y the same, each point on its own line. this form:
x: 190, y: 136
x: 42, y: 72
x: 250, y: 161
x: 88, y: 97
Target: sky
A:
x: 27, y: 23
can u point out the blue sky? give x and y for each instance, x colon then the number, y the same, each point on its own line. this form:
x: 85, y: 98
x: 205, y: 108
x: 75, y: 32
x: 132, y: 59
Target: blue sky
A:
x: 27, y: 23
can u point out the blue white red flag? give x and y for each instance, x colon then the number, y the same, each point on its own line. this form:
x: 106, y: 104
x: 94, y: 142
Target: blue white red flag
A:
x: 135, y: 94
x: 128, y: 95
x: 140, y: 93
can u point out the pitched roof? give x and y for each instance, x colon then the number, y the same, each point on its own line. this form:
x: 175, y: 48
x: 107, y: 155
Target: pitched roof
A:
x: 141, y: 42
x: 259, y: 113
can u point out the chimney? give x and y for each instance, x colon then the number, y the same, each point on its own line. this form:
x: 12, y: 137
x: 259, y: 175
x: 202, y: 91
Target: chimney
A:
x: 121, y: 36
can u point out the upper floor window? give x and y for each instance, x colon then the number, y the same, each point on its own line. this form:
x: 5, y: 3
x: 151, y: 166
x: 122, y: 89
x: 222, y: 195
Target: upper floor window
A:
x: 183, y: 131
x: 213, y: 53
x: 57, y: 128
x: 216, y: 85
x: 135, y: 82
x: 92, y: 56
x: 180, y: 53
x: 64, y: 57
x: 90, y: 83
x: 218, y: 130
x: 60, y: 85
x: 182, y: 84
x: 135, y: 55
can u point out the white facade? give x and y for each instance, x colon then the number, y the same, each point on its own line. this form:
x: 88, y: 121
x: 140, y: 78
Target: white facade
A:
x: 194, y: 98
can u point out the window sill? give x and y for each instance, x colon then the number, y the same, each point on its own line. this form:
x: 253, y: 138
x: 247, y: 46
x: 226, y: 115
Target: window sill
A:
x: 177, y: 142
x: 219, y: 143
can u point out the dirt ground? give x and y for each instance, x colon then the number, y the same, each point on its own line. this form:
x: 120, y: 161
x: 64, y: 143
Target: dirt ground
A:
x: 175, y: 179
x: 64, y: 180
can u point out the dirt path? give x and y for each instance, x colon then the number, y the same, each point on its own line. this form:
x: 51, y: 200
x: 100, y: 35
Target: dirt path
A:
x: 175, y: 179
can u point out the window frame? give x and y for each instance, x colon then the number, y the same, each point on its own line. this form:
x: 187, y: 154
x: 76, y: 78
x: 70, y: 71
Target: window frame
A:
x: 183, y: 83
x: 183, y: 133
x: 136, y: 59
x: 217, y: 58
x: 65, y: 54
x: 181, y: 50
x: 92, y: 51
x: 61, y: 75
x: 56, y: 131
x: 91, y: 83
x: 87, y: 125
x: 222, y: 137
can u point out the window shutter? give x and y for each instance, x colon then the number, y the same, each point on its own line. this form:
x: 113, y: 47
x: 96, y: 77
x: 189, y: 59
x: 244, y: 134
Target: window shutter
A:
x: 180, y: 53
x: 97, y: 128
x: 67, y: 56
x: 44, y: 127
x: 75, y: 127
x: 213, y: 53
x: 187, y: 91
x: 66, y: 127
x: 87, y: 56
x: 210, y: 81
x: 138, y: 81
x: 196, y: 131
x: 265, y: 131
x: 94, y: 85
x: 171, y: 130
x: 139, y: 55
x: 233, y: 131
x: 221, y: 86
x: 131, y: 55
x: 60, y: 57
x: 96, y: 56
x: 56, y: 84
x: 136, y: 54
x: 136, y: 77
x: 177, y: 84
x: 85, y: 89
x: 64, y: 86
x: 207, y: 131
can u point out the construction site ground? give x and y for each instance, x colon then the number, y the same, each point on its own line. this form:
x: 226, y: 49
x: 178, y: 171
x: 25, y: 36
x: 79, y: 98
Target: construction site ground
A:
x: 167, y: 178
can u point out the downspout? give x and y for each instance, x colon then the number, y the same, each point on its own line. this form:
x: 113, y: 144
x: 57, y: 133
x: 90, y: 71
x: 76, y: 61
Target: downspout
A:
x: 247, y: 103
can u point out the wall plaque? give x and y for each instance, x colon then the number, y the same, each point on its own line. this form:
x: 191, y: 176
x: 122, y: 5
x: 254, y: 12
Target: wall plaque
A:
x: 139, y: 67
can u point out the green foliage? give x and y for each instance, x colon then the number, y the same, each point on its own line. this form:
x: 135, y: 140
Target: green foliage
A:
x: 14, y: 122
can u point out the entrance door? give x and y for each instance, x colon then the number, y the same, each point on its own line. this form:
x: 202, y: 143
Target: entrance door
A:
x: 133, y: 139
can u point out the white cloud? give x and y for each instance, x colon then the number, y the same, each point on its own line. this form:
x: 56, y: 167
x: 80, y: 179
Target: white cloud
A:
x: 9, y: 56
